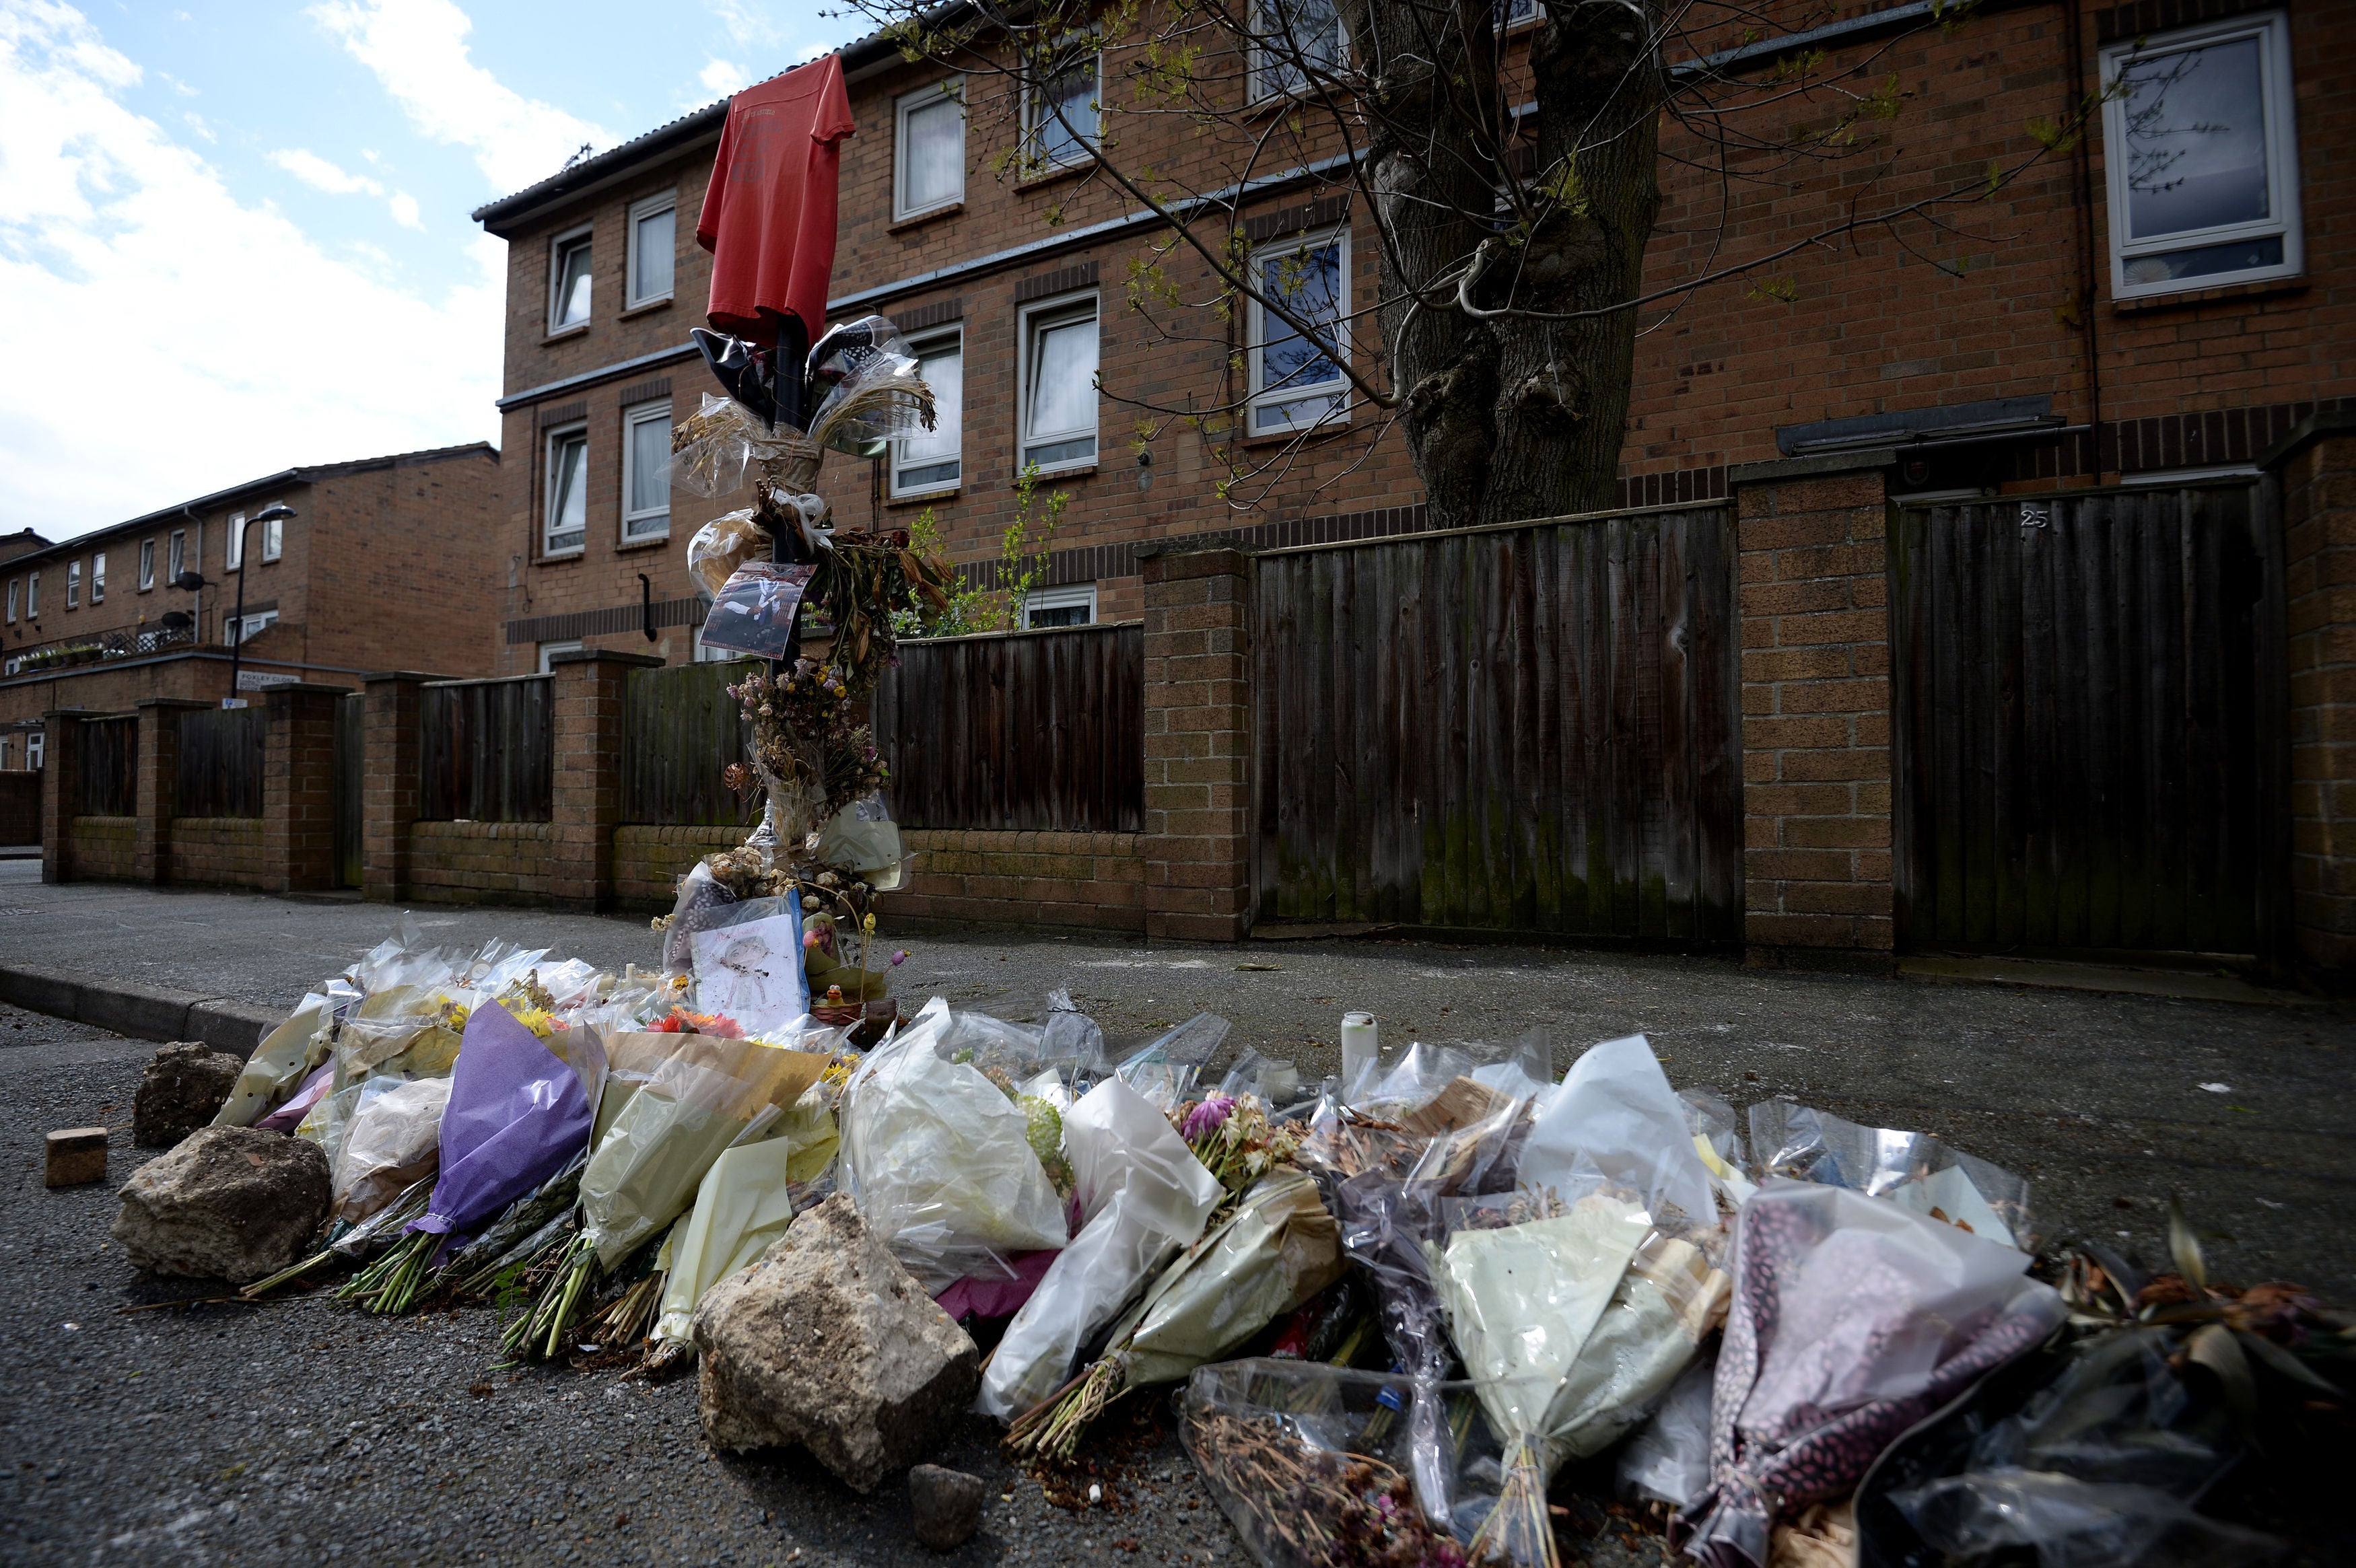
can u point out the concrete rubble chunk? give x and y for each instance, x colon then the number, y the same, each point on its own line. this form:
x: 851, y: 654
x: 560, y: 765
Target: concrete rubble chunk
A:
x: 182, y: 1090
x: 828, y: 1343
x: 944, y: 1506
x: 227, y: 1203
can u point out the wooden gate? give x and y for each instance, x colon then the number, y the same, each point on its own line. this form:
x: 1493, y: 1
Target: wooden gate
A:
x: 110, y: 766
x: 351, y: 723
x: 486, y: 749
x: 222, y: 752
x: 2089, y: 722
x: 1526, y: 729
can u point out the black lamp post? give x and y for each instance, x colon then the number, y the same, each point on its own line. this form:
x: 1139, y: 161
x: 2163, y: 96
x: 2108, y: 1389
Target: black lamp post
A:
x: 276, y: 512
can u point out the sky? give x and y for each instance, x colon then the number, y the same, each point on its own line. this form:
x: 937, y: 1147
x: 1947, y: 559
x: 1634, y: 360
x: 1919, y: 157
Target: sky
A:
x: 233, y: 236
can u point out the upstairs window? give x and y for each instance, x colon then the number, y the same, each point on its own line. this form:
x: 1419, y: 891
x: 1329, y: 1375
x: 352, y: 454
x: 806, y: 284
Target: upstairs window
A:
x: 1287, y: 33
x: 1060, y: 116
x: 98, y: 577
x: 234, y: 559
x: 928, y: 461
x: 2202, y: 159
x: 930, y: 159
x: 1296, y: 381
x: 237, y: 630
x: 646, y: 477
x: 179, y: 555
x: 147, y: 565
x: 73, y: 585
x: 15, y: 584
x: 33, y: 596
x: 654, y: 236
x: 273, y: 539
x: 567, y: 524
x: 1059, y: 384
x: 568, y: 281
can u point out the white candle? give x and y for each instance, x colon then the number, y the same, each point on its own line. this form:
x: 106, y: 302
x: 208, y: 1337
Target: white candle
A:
x: 1358, y: 1048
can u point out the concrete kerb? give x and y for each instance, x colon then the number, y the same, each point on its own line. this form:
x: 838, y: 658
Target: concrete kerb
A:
x: 141, y: 1012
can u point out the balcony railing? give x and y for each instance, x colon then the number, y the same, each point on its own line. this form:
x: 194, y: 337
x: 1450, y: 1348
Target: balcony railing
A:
x: 70, y: 653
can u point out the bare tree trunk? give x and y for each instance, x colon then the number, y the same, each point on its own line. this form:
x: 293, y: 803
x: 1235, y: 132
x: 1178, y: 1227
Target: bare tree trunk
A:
x: 1512, y: 417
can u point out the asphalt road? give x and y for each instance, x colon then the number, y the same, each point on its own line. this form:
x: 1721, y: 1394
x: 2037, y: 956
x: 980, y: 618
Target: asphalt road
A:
x: 296, y: 1431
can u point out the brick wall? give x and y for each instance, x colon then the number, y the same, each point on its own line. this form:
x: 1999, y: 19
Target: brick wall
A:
x: 1814, y: 604
x: 2316, y: 476
x: 218, y: 851
x: 20, y: 807
x: 480, y: 862
x: 648, y: 860
x: 1197, y: 746
x: 102, y: 847
x: 1094, y: 880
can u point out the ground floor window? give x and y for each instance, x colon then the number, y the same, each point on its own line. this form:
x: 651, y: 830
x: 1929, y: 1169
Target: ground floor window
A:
x: 1074, y: 605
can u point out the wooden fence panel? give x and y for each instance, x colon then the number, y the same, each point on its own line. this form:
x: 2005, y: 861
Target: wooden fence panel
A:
x: 221, y: 756
x: 680, y: 729
x: 2085, y: 721
x: 351, y: 724
x: 109, y: 767
x: 1039, y: 731
x: 1529, y: 729
x: 486, y: 751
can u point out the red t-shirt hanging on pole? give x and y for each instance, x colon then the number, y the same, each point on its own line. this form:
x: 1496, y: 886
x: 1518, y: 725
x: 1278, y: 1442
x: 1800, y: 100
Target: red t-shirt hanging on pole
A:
x: 768, y: 214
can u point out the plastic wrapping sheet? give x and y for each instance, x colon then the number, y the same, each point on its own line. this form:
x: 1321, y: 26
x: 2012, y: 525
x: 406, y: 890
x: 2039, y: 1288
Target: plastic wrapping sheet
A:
x: 746, y: 1202
x: 722, y: 545
x: 1718, y: 1142
x: 1274, y: 1082
x: 2072, y: 1524
x: 519, y: 1109
x: 1617, y: 1117
x: 749, y: 965
x: 1521, y: 1068
x: 1142, y: 1195
x: 1164, y: 1070
x: 693, y: 1105
x: 715, y: 450
x: 1851, y: 1319
x: 1913, y: 1171
x: 1667, y: 1459
x: 394, y: 1140
x: 1072, y: 1042
x: 874, y: 387
x: 287, y: 1056
x: 939, y: 1160
x: 701, y: 900
x: 1310, y: 1463
x: 290, y: 1116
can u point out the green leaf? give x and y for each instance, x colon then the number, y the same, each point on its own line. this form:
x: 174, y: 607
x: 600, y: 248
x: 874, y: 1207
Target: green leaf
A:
x: 2283, y: 1363
x: 2184, y: 1248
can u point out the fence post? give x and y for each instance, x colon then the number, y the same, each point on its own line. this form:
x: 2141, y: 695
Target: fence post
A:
x: 1196, y: 845
x: 1811, y: 540
x: 585, y: 788
x: 61, y: 791
x: 298, y: 788
x: 389, y: 786
x: 155, y: 796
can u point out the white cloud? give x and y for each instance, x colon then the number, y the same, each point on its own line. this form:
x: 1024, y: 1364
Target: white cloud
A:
x: 417, y: 49
x: 745, y: 24
x: 722, y: 78
x: 404, y: 211
x: 105, y: 219
x: 320, y: 174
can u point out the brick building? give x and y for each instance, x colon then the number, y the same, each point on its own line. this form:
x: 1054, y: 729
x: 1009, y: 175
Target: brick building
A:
x: 387, y: 564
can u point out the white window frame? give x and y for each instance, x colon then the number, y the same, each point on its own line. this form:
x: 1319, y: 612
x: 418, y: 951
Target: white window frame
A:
x: 921, y: 344
x: 234, y: 558
x: 549, y: 651
x: 557, y: 246
x: 235, y: 631
x: 37, y: 746
x: 635, y: 296
x: 1256, y: 80
x: 73, y: 585
x: 1265, y: 397
x: 549, y: 442
x: 274, y: 540
x: 147, y: 565
x: 634, y: 416
x: 1027, y: 327
x: 1083, y: 595
x: 179, y: 555
x: 924, y: 98
x: 1035, y: 114
x: 32, y: 596
x: 1507, y: 22
x: 2273, y: 29
x: 98, y: 577
x: 15, y: 585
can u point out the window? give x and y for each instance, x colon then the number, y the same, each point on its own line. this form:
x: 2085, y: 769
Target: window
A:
x: 7, y: 747
x: 548, y: 652
x: 1059, y: 391
x: 568, y: 281
x: 36, y: 745
x: 2201, y: 158
x: 14, y: 585
x: 73, y: 585
x: 1296, y: 381
x: 234, y: 561
x: 235, y: 631
x: 179, y: 555
x: 147, y: 565
x: 646, y: 472
x: 33, y: 596
x: 928, y: 461
x: 654, y: 225
x: 1290, y: 31
x: 1072, y: 606
x: 931, y: 157
x: 273, y: 539
x: 1511, y: 14
x: 1059, y: 113
x: 98, y: 577
x: 568, y: 492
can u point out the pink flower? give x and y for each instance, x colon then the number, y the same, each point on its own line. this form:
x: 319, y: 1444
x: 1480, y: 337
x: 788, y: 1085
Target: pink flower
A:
x: 1208, y: 1117
x: 900, y: 957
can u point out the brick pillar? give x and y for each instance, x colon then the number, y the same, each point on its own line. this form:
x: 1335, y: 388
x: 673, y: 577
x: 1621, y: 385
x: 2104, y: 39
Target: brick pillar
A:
x: 298, y: 788
x: 586, y: 799
x: 1811, y: 534
x: 157, y: 797
x: 61, y: 791
x: 2314, y: 470
x: 389, y: 790
x: 1195, y: 846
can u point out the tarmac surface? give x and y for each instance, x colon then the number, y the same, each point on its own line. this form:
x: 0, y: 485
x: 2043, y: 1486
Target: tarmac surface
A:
x: 303, y: 1430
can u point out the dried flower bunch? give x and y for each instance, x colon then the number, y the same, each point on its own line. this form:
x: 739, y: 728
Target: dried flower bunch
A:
x: 1233, y: 1137
x: 1313, y: 1503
